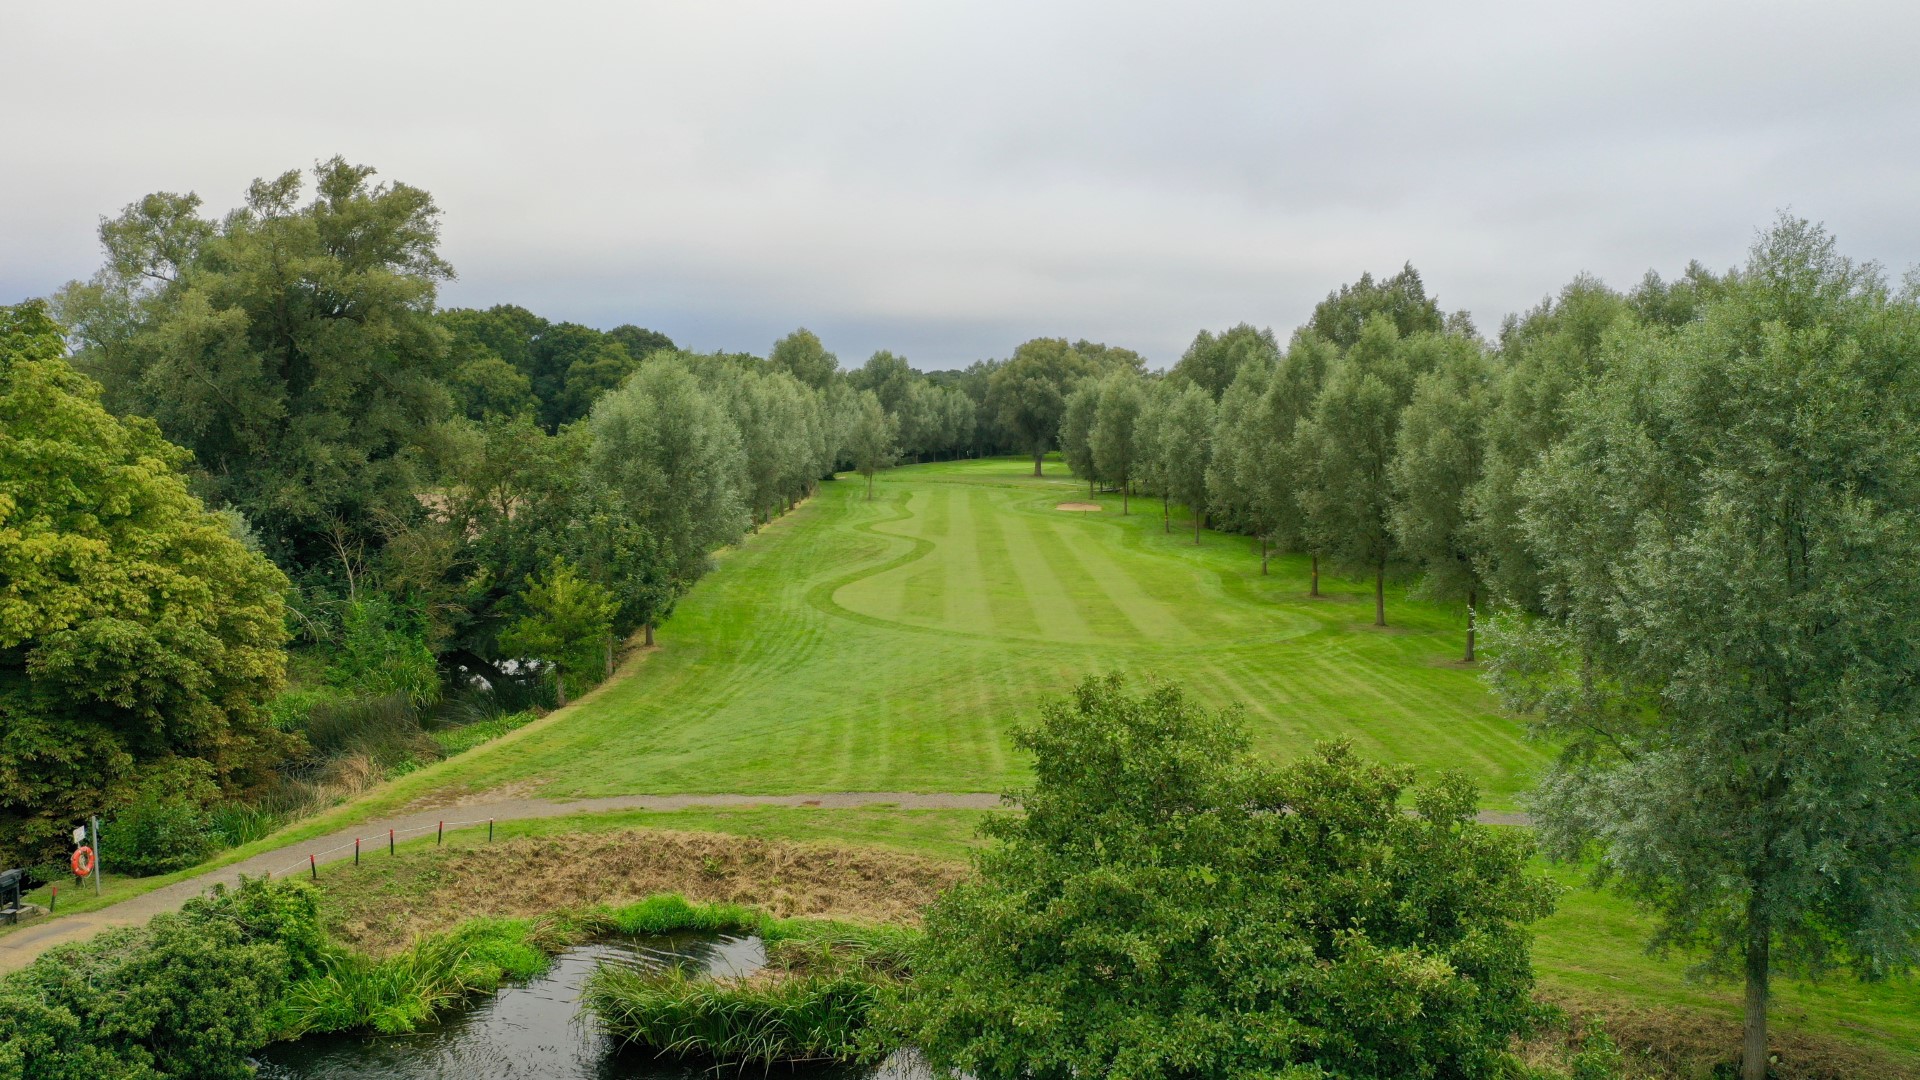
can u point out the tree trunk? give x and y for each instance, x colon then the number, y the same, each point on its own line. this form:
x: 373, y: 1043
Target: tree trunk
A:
x: 1198, y: 516
x: 560, y: 687
x: 1471, y: 597
x: 869, y: 487
x: 649, y: 635
x: 1380, y: 595
x: 1314, y: 588
x: 1753, y: 1052
x: 1037, y: 456
x: 1263, y: 554
x: 1166, y: 513
x: 1126, y: 490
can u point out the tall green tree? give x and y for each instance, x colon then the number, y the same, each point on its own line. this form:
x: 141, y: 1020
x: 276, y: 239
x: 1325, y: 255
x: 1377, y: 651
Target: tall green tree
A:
x: 1231, y: 488
x: 1401, y: 299
x: 568, y: 623
x: 1546, y: 357
x: 1115, y: 439
x: 1346, y: 448
x: 291, y: 347
x: 1214, y: 360
x: 801, y: 355
x: 1278, y: 468
x: 1186, y: 448
x: 1029, y: 392
x: 1730, y: 539
x: 136, y: 630
x: 870, y: 440
x: 1438, y: 459
x: 1166, y: 906
x: 671, y: 452
x: 1076, y: 430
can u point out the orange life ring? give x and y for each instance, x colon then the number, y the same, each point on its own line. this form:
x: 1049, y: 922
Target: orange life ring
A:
x: 82, y: 861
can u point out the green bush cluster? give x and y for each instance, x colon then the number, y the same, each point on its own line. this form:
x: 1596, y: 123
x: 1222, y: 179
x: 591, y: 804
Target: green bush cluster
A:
x: 186, y: 997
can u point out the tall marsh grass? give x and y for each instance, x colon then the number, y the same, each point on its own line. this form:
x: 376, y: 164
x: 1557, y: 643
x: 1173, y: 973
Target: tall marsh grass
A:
x: 754, y: 1021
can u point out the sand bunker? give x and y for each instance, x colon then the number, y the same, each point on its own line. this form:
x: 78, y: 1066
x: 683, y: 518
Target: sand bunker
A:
x: 1079, y: 507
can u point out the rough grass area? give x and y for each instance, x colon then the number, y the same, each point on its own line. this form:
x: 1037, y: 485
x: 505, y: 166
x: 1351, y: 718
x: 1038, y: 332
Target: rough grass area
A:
x: 891, y: 645
x: 1673, y: 1043
x: 382, y: 906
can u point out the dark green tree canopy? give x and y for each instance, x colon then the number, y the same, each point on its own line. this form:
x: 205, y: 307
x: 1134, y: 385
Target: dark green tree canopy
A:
x: 1168, y: 907
x: 1213, y: 360
x: 1402, y: 299
x: 801, y: 355
x: 135, y: 629
x: 291, y: 347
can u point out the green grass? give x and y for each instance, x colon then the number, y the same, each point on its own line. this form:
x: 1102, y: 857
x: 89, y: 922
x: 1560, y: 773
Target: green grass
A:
x: 893, y: 644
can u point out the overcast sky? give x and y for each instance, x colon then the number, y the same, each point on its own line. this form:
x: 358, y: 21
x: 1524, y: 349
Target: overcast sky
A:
x: 950, y: 179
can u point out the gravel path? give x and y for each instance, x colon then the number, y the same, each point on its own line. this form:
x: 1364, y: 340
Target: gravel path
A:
x: 19, y: 948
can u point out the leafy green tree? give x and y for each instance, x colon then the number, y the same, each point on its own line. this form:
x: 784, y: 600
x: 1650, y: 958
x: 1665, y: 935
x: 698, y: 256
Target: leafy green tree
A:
x: 662, y: 443
x: 801, y: 355
x: 1168, y: 906
x: 1552, y: 352
x: 383, y: 650
x: 568, y: 623
x: 639, y: 341
x: 292, y: 348
x: 870, y: 441
x: 1186, y: 447
x: 1150, y: 433
x: 1346, y: 448
x: 1437, y: 462
x: 1275, y: 460
x: 1213, y: 360
x: 135, y: 629
x: 1076, y: 430
x: 485, y: 386
x: 1401, y: 299
x: 1029, y: 392
x: 1115, y: 438
x: 1730, y: 539
x: 1231, y: 489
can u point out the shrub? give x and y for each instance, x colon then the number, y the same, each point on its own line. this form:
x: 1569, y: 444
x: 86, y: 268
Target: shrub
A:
x: 383, y: 652
x: 1168, y: 906
x: 187, y: 996
x: 163, y: 830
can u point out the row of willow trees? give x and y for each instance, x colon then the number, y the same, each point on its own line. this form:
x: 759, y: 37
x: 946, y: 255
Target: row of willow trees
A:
x: 1695, y: 507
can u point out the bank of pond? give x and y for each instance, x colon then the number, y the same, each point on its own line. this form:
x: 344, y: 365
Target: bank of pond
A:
x: 246, y: 979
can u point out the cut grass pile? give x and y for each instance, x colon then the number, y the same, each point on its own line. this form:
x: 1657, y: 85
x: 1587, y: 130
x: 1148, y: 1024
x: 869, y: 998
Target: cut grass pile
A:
x: 891, y: 645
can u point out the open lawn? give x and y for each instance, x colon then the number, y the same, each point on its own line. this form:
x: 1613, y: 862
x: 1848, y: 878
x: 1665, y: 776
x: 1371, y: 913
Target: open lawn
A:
x: 891, y: 645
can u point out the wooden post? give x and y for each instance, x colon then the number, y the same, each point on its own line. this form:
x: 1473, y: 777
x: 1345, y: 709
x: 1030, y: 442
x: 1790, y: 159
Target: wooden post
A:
x: 313, y: 864
x: 441, y: 836
x: 389, y: 841
x: 356, y: 851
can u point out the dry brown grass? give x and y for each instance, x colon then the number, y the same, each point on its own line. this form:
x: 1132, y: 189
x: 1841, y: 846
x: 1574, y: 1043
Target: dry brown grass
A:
x: 381, y: 906
x: 1670, y: 1043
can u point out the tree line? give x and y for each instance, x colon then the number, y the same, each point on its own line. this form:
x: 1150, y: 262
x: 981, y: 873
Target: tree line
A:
x: 1694, y: 508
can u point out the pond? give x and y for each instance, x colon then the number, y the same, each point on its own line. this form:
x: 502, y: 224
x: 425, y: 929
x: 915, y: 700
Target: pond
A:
x: 539, y: 1029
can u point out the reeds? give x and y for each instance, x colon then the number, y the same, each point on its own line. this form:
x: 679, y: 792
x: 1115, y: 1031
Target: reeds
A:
x: 754, y: 1021
x: 402, y: 992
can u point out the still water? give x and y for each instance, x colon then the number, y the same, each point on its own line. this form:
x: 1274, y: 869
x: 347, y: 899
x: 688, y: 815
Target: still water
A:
x: 539, y: 1030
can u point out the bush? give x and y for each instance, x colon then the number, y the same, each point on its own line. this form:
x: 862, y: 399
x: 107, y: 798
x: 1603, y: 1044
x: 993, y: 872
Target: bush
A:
x: 383, y: 652
x: 163, y: 830
x: 344, y: 991
x: 1168, y: 906
x: 187, y: 996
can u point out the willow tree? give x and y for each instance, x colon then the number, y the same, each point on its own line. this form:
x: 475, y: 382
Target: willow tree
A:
x: 1115, y: 440
x: 1438, y: 459
x: 1186, y: 448
x: 870, y: 437
x: 1730, y: 540
x: 290, y: 345
x: 1076, y: 431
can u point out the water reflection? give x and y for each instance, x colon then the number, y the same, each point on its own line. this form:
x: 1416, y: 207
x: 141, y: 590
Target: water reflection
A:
x: 539, y: 1030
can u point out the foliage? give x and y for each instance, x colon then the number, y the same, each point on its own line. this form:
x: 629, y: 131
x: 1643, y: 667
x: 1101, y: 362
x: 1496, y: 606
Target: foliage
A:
x: 1730, y: 539
x: 569, y: 622
x: 1115, y: 440
x: 186, y: 997
x: 1029, y: 392
x: 345, y: 991
x: 464, y: 737
x: 290, y: 347
x: 870, y: 438
x: 662, y: 444
x: 786, y: 1021
x: 1168, y: 907
x: 1076, y: 430
x: 1186, y: 446
x: 1213, y: 361
x: 801, y: 355
x: 166, y: 827
x: 134, y: 628
x: 383, y: 651
x: 1401, y: 300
